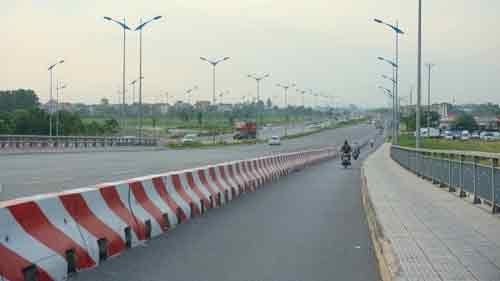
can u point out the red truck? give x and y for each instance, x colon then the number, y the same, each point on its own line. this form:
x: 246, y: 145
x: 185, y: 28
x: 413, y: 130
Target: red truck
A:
x: 245, y: 130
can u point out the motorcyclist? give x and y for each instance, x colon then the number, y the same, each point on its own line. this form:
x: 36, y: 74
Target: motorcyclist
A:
x: 372, y: 141
x: 346, y: 148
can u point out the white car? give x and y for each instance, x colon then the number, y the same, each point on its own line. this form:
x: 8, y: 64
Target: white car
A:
x: 189, y: 138
x: 274, y: 140
x: 465, y: 135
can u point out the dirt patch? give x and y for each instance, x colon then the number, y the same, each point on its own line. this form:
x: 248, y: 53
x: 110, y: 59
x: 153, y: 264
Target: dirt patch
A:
x: 387, y: 261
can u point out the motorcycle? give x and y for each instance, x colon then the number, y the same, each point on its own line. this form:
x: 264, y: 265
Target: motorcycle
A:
x: 346, y: 160
x: 355, y: 154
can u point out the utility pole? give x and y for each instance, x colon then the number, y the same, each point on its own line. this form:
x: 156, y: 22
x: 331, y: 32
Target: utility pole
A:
x: 419, y: 74
x: 429, y: 67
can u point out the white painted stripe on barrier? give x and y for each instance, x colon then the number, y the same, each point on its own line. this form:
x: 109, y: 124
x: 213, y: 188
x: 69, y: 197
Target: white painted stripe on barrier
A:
x: 231, y: 180
x: 128, y: 199
x: 223, y: 183
x: 29, y: 248
x: 57, y: 215
x: 176, y: 197
x: 156, y: 199
x: 98, y: 206
x: 189, y: 191
x: 204, y: 189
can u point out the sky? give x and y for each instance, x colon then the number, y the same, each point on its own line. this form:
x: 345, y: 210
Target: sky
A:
x: 328, y: 46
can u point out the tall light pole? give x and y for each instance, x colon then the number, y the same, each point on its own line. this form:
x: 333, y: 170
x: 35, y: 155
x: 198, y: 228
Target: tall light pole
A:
x: 257, y: 80
x: 51, y: 70
x: 419, y: 74
x: 395, y: 105
x: 139, y: 28
x: 58, y: 88
x: 429, y: 67
x: 394, y: 101
x: 124, y: 26
x: 214, y: 64
x: 285, y: 87
x: 397, y: 32
x: 391, y: 95
x: 188, y: 93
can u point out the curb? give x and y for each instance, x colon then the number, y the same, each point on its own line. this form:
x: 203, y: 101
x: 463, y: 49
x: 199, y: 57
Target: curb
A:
x: 387, y: 261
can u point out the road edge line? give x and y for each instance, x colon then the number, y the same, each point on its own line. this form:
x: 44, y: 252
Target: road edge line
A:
x: 387, y: 261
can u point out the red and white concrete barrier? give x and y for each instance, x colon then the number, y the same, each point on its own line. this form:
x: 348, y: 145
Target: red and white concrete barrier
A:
x: 48, y: 237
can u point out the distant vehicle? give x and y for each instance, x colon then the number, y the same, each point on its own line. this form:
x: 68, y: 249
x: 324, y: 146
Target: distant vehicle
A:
x: 274, y: 140
x: 474, y: 135
x: 189, y: 138
x: 432, y: 132
x: 489, y: 136
x: 449, y: 135
x: 465, y: 135
x: 245, y: 130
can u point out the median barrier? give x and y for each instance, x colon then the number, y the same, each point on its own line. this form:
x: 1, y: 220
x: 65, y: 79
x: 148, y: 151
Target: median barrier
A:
x: 52, y: 236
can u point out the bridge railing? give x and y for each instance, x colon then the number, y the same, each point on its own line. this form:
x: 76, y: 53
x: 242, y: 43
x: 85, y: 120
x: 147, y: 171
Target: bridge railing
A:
x: 34, y: 142
x: 470, y: 173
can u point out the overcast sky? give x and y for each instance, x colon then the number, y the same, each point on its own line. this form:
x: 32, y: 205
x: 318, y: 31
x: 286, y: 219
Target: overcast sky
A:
x: 329, y: 46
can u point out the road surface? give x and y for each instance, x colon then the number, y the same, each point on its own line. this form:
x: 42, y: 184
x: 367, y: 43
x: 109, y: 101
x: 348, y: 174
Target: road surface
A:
x: 307, y: 226
x: 24, y: 175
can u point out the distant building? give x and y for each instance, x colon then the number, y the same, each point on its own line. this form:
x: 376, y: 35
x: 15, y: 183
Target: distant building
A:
x: 224, y: 107
x: 487, y: 121
x: 202, y: 105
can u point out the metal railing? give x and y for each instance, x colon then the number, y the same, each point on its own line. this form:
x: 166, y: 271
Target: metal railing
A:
x: 474, y: 173
x: 34, y: 142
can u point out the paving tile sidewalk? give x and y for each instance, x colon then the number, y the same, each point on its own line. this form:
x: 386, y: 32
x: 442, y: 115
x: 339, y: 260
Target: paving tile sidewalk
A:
x: 434, y: 235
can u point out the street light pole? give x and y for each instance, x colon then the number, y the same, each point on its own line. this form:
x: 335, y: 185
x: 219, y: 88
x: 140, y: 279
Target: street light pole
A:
x: 397, y: 31
x: 285, y: 87
x: 389, y: 93
x: 57, y: 104
x: 257, y: 80
x: 124, y: 26
x: 419, y: 74
x: 140, y: 28
x: 214, y: 64
x: 394, y: 102
x: 429, y: 67
x: 51, y: 69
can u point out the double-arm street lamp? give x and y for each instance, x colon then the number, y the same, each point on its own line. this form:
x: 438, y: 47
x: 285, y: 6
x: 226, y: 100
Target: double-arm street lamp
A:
x: 257, y: 80
x: 285, y: 87
x: 59, y: 88
x: 397, y: 31
x: 188, y: 94
x: 214, y: 63
x: 390, y: 95
x: 124, y: 27
x: 394, y: 87
x: 139, y: 28
x: 51, y: 109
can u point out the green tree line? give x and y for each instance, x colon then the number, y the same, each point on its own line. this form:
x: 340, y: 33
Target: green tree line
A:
x: 20, y: 114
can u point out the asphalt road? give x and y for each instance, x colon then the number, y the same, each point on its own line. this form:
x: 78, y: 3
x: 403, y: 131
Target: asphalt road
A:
x: 307, y: 226
x: 23, y: 175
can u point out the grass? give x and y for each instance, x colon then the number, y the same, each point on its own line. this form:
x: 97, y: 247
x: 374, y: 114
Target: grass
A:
x: 468, y: 145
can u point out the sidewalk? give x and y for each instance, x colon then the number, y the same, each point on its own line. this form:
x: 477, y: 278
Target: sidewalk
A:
x: 425, y: 232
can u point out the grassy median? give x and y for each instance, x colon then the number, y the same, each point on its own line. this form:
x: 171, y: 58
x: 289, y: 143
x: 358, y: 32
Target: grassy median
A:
x: 468, y: 145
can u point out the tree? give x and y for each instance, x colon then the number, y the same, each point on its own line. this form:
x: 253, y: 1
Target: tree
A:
x: 104, y: 101
x: 111, y: 126
x: 33, y: 121
x: 465, y: 121
x: 199, y: 117
x: 18, y: 99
